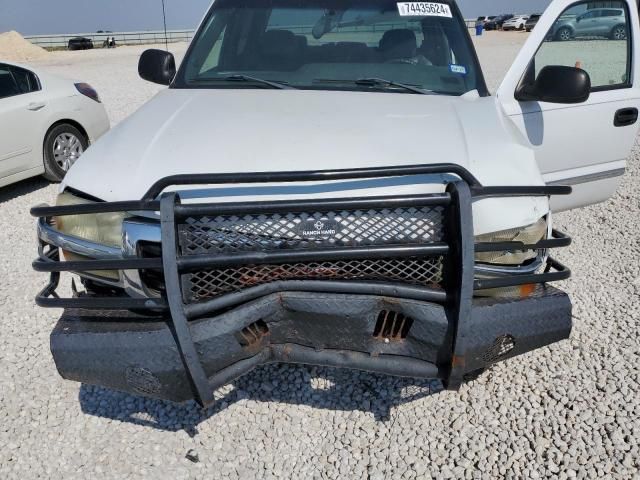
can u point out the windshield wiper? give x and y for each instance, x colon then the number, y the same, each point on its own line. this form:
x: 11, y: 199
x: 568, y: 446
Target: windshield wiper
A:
x: 246, y: 78
x: 379, y: 82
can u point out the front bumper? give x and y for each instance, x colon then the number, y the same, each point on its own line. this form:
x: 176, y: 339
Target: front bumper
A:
x: 396, y: 299
x: 127, y: 352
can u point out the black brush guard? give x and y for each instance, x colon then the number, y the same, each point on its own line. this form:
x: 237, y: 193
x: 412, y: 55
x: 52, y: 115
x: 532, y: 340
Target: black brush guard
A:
x: 461, y: 312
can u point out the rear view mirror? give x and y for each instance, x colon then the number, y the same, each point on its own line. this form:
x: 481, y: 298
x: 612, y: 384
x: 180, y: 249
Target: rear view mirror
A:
x: 557, y: 84
x: 157, y: 66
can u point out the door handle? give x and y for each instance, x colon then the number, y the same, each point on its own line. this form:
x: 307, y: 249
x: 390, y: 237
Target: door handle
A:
x: 625, y: 117
x: 35, y: 106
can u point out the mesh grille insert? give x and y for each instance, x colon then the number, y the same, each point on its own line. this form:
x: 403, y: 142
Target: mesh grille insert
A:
x: 264, y: 232
x: 207, y: 284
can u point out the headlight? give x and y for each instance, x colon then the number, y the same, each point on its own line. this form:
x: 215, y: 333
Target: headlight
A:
x: 528, y: 235
x: 102, y: 228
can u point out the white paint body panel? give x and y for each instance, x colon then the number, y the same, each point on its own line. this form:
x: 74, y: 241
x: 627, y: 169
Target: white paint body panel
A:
x: 23, y: 130
x: 571, y: 141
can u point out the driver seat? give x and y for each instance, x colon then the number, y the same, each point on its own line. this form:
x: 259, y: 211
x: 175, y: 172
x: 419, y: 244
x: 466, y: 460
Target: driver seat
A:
x: 398, y: 44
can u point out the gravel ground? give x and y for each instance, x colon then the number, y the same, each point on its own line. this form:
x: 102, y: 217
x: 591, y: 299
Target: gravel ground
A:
x: 571, y: 410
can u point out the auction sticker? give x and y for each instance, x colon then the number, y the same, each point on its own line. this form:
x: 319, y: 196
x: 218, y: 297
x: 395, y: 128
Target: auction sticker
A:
x: 424, y: 9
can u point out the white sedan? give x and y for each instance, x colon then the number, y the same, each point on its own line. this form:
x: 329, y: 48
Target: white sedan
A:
x: 46, y: 123
x: 516, y: 23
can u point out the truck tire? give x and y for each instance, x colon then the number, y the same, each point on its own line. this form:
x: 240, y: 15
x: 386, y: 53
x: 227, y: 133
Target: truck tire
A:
x: 63, y: 145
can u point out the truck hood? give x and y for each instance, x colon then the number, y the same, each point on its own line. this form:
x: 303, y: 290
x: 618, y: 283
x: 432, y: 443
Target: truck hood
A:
x: 240, y: 130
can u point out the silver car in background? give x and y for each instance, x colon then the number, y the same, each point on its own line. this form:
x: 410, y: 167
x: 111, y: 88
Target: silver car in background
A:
x: 597, y: 22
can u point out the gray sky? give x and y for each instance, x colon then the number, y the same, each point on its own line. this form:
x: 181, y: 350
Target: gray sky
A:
x: 33, y: 17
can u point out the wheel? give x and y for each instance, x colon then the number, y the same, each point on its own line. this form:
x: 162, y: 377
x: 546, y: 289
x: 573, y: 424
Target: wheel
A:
x: 63, y: 145
x: 521, y: 27
x: 619, y: 32
x: 564, y: 34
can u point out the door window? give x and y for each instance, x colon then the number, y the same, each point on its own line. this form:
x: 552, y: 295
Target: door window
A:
x: 8, y: 85
x: 594, y: 39
x: 17, y: 81
x: 26, y: 80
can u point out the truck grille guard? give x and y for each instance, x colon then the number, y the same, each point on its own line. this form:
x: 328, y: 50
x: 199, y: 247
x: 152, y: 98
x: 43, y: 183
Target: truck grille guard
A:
x: 194, y: 252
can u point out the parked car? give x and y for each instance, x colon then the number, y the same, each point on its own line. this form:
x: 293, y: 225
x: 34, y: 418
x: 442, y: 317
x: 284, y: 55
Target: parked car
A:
x: 497, y: 22
x: 80, y: 43
x: 516, y: 23
x: 532, y: 22
x: 484, y: 19
x: 46, y: 123
x: 363, y: 204
x: 597, y: 22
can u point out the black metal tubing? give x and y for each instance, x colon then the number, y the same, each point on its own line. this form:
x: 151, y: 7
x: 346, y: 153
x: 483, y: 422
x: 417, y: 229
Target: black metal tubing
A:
x: 293, y: 353
x: 197, y: 262
x: 48, y: 298
x: 93, y: 208
x: 387, y: 289
x: 149, y: 203
x: 47, y: 266
x: 461, y: 278
x: 295, y: 206
x: 310, y: 176
x: 182, y: 332
x: 561, y: 273
x: 558, y: 240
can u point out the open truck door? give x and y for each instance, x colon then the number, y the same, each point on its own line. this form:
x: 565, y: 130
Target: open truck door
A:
x: 574, y: 94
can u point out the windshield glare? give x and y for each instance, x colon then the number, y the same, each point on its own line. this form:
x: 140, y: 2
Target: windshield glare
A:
x: 330, y: 45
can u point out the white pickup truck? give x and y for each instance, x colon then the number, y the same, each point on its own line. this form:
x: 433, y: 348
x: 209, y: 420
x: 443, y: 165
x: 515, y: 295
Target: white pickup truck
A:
x: 330, y: 182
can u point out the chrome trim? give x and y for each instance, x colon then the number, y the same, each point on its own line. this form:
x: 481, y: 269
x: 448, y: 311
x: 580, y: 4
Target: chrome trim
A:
x: 592, y: 177
x: 134, y: 231
x: 74, y: 244
x: 79, y: 246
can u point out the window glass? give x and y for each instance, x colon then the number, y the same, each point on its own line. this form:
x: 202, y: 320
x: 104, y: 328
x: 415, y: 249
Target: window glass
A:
x: 330, y: 44
x: 594, y: 39
x: 26, y: 80
x: 8, y: 86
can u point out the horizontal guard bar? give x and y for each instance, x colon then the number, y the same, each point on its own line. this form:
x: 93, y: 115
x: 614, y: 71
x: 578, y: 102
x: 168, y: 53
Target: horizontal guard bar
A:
x: 195, y: 310
x: 49, y: 266
x: 561, y: 273
x: 294, y: 206
x: 197, y: 262
x: 100, y: 303
x: 93, y: 208
x: 558, y: 240
x: 293, y: 353
x: 47, y: 298
x: 310, y: 176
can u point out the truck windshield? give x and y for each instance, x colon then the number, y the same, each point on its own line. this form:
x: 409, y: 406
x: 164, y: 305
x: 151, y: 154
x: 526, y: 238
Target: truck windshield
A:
x: 362, y: 45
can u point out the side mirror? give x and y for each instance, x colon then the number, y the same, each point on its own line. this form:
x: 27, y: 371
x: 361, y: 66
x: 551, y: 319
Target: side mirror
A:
x: 157, y: 66
x: 557, y: 84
